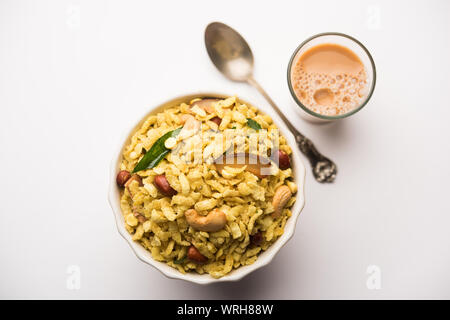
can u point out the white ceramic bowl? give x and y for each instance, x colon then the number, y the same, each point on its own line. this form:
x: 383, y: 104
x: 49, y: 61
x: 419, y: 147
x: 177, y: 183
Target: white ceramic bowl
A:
x: 237, y: 274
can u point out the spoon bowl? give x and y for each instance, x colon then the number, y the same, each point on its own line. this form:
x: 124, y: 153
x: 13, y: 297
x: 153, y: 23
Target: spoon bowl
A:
x: 229, y: 52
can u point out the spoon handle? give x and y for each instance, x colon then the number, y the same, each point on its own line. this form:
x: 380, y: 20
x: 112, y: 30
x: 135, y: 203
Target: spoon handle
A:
x: 305, y: 145
x: 295, y: 132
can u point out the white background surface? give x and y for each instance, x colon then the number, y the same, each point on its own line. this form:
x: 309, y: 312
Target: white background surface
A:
x: 75, y: 74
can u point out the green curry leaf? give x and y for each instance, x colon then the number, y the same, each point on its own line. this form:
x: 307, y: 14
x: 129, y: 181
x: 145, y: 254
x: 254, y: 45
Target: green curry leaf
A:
x: 156, y: 153
x: 253, y: 124
x: 180, y: 261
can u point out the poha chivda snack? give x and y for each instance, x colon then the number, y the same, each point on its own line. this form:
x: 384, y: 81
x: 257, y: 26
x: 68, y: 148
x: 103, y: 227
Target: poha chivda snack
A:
x: 207, y: 185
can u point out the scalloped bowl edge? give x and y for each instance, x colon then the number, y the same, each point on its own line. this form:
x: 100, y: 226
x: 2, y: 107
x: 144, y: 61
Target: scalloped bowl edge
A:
x: 264, y: 258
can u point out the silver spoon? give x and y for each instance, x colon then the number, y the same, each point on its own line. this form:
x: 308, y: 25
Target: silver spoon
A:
x: 233, y: 57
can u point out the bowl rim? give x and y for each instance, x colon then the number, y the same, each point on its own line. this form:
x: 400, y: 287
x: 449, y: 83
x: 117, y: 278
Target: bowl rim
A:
x: 237, y: 274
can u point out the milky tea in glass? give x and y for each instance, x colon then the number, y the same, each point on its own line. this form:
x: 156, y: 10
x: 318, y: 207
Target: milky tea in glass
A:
x: 329, y: 81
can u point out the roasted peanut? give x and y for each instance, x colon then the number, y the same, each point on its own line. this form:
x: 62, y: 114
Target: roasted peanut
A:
x: 256, y: 238
x: 284, y: 162
x: 214, y: 221
x: 216, y: 120
x: 194, y: 255
x: 122, y: 178
x: 163, y: 185
x: 280, y: 198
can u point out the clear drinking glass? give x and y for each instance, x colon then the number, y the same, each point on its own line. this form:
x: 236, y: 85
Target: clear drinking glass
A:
x: 343, y: 40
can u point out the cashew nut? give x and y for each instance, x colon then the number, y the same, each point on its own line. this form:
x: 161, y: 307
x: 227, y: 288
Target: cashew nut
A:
x: 191, y: 127
x: 214, y: 221
x: 280, y: 198
x: 184, y: 117
x: 258, y: 165
x: 206, y: 104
